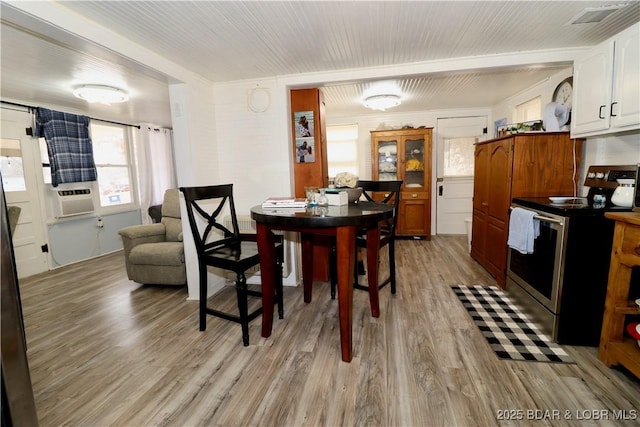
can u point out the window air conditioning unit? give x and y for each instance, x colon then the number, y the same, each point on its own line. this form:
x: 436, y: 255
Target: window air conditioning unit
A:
x: 74, y: 202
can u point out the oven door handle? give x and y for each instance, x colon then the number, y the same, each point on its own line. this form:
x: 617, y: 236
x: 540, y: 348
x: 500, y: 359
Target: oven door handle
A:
x: 544, y: 218
x: 547, y: 219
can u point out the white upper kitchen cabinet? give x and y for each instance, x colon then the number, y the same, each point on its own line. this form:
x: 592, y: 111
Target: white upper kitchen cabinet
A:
x: 606, y: 95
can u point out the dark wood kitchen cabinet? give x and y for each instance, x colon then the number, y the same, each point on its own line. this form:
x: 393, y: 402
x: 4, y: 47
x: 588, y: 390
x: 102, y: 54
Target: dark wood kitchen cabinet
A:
x: 405, y: 154
x: 521, y: 165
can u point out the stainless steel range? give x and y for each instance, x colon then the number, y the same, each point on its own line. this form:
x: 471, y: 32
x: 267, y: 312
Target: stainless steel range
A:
x: 562, y: 284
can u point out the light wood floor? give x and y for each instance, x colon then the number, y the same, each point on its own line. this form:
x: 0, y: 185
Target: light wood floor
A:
x: 105, y: 351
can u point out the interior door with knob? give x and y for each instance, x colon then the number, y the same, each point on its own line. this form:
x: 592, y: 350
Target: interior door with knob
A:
x: 19, y: 155
x: 454, y: 168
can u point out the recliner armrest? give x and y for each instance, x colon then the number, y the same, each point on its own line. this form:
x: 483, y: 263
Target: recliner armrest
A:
x: 143, y: 231
x: 135, y: 235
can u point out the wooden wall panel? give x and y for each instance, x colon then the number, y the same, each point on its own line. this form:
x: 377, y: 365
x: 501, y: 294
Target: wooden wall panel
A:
x: 316, y: 173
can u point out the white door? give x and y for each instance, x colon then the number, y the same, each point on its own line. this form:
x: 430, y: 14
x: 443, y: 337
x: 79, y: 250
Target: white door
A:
x: 454, y: 168
x: 20, y: 155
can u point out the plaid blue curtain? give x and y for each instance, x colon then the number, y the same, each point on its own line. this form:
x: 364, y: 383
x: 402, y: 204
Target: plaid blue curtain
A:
x: 69, y: 146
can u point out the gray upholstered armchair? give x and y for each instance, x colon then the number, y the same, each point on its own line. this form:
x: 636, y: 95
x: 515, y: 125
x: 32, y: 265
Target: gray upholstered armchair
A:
x: 154, y: 253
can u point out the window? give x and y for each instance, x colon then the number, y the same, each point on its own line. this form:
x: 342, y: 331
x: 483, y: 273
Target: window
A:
x: 459, y: 156
x: 44, y: 158
x: 111, y: 155
x: 342, y: 149
x: 530, y: 110
x: 11, y: 165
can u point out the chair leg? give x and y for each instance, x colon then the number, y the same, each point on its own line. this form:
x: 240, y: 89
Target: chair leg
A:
x: 333, y: 270
x: 241, y: 291
x: 356, y: 270
x: 392, y: 266
x: 203, y: 297
x: 361, y: 269
x: 279, y: 287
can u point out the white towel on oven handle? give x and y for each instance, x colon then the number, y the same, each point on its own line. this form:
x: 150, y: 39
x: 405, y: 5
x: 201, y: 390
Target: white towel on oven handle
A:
x: 523, y: 230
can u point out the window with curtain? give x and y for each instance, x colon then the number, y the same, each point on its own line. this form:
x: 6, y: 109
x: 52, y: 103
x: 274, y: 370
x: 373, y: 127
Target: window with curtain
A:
x: 154, y: 165
x: 342, y: 149
x: 112, y: 159
x: 68, y: 145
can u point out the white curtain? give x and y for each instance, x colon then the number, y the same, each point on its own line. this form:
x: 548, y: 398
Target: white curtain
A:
x: 153, y: 148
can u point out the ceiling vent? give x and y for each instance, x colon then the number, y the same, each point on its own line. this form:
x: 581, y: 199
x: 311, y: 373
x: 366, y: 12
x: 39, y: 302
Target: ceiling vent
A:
x: 592, y: 15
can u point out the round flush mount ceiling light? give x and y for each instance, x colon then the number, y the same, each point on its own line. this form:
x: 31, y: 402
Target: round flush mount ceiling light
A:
x: 101, y: 94
x: 382, y: 102
x: 382, y: 95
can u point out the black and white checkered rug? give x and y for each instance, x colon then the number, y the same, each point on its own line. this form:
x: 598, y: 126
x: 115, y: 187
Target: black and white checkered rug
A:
x: 505, y: 327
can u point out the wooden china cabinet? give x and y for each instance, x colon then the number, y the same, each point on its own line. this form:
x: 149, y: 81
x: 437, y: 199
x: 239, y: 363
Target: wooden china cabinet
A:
x: 405, y: 154
x: 520, y: 165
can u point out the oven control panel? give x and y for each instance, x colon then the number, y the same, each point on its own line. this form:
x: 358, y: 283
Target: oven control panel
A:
x: 606, y: 176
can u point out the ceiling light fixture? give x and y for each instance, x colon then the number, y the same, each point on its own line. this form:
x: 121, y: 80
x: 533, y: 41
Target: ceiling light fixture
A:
x: 382, y: 102
x: 382, y: 95
x: 101, y: 94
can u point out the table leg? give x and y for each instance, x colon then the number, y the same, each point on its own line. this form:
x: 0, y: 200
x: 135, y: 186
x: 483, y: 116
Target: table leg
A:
x: 307, y: 265
x: 345, y: 255
x: 373, y: 252
x: 267, y: 251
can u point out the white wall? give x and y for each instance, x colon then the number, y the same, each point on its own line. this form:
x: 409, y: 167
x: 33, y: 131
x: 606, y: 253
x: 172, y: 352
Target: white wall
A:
x: 253, y: 148
x: 622, y: 149
x: 77, y: 239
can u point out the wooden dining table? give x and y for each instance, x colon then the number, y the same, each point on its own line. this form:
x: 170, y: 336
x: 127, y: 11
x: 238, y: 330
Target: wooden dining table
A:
x: 343, y: 222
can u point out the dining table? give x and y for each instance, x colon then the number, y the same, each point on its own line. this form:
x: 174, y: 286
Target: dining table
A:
x: 342, y: 222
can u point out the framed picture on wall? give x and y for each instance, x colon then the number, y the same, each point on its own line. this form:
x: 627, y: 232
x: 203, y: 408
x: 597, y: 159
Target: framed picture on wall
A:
x: 305, y: 150
x: 304, y: 124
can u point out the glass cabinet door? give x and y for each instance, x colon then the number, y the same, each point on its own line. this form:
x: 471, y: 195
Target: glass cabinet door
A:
x: 388, y: 160
x: 414, y: 163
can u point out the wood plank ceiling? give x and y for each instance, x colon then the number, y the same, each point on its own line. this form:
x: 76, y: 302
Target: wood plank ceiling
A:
x: 235, y: 40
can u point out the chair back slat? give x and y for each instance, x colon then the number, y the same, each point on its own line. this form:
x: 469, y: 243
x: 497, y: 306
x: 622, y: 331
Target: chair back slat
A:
x: 392, y: 197
x: 206, y: 205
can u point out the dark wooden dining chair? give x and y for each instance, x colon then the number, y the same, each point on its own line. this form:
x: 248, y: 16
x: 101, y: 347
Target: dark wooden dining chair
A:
x: 226, y: 248
x: 380, y: 192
